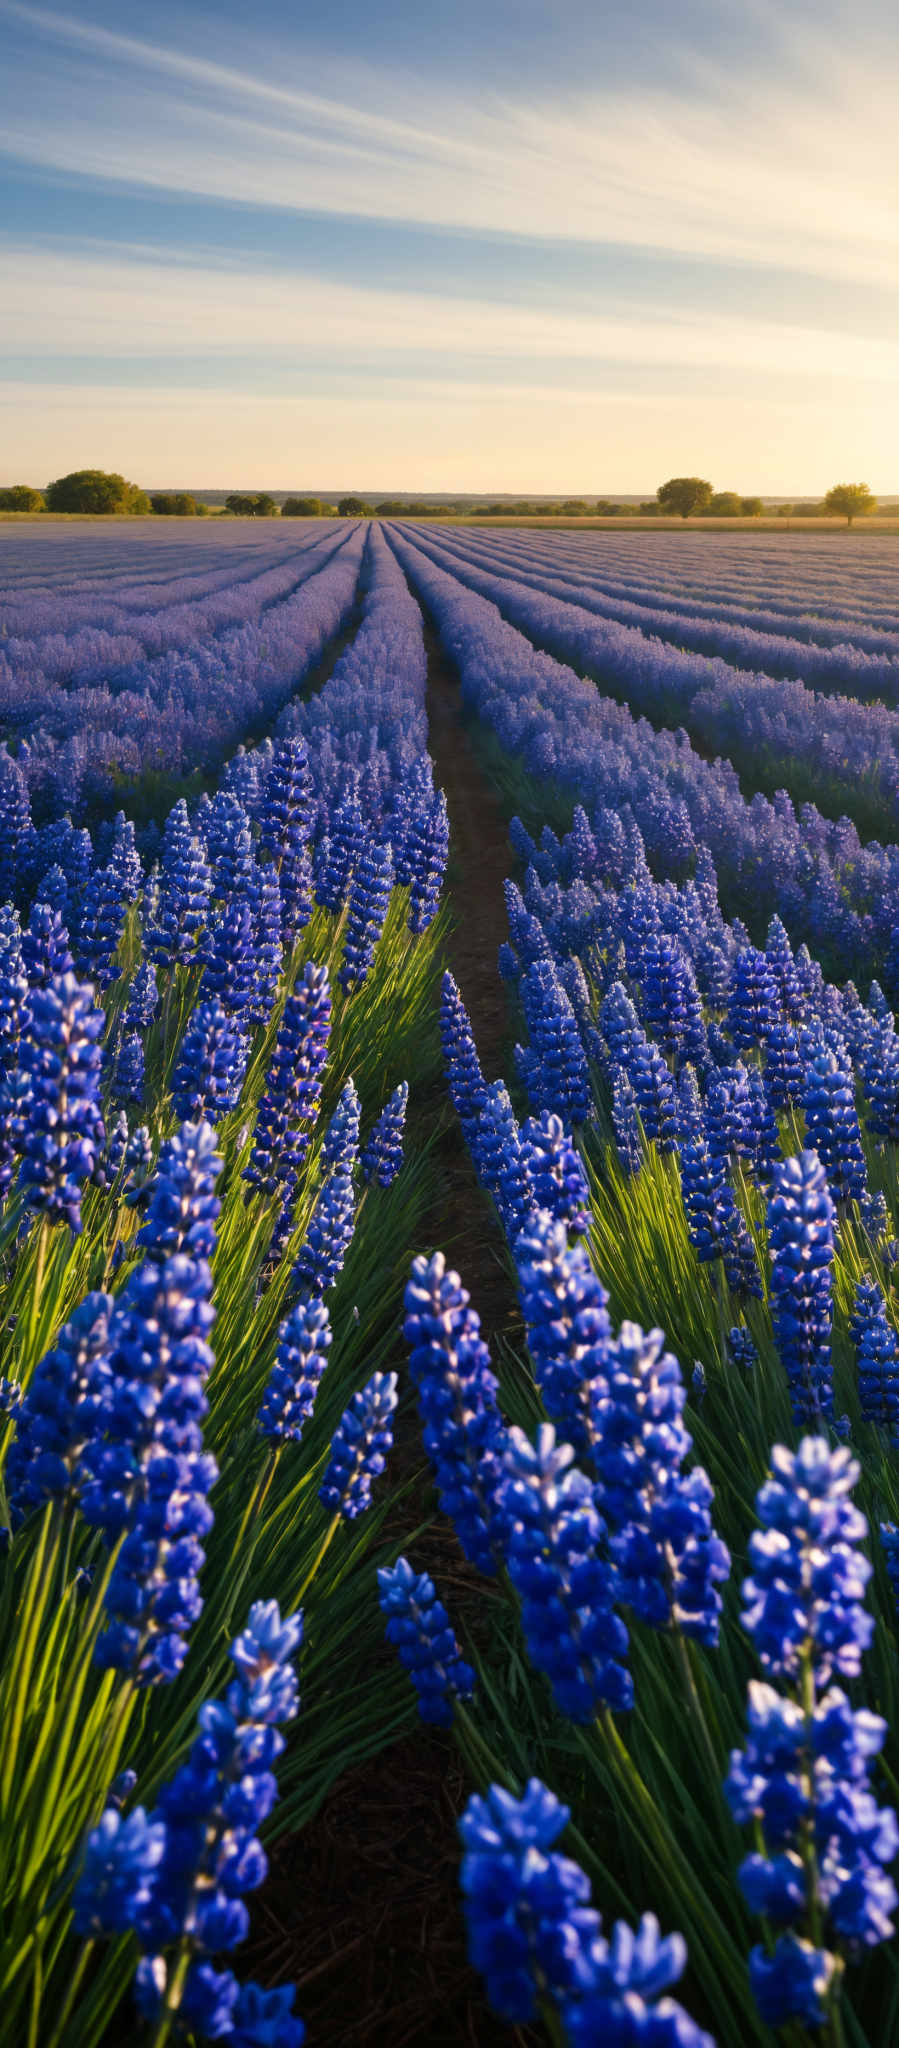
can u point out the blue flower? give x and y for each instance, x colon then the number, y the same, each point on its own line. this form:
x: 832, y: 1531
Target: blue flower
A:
x: 264, y: 2019
x: 143, y: 998
x: 808, y: 1574
x: 526, y: 1906
x: 382, y: 1153
x: 145, y: 1474
x: 229, y: 953
x: 292, y: 1094
x: 303, y: 1342
x: 428, y: 846
x: 626, y: 1123
x: 181, y: 1203
x: 128, y: 1072
x: 185, y: 888
x: 622, y: 2004
x: 211, y: 1062
x: 369, y: 902
x: 555, y: 1171
x: 359, y: 1447
x: 669, y: 1559
x: 557, y: 1074
x: 792, y: 1981
x: 121, y: 1859
x: 321, y: 1255
x: 285, y: 825
x: 877, y: 1360
x: 60, y: 1411
x: 755, y: 1004
x: 45, y: 947
x: 100, y: 929
x: 553, y: 1539
x: 341, y: 1141
x: 462, y: 1066
x: 801, y: 1245
x: 347, y: 840
x: 419, y: 1626
x: 462, y: 1427
x: 179, y: 1874
x: 566, y: 1315
x: 832, y: 1125
x: 63, y: 1127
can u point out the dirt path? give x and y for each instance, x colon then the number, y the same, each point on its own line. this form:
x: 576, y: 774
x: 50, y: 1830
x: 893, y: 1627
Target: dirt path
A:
x: 479, y: 861
x: 363, y: 1910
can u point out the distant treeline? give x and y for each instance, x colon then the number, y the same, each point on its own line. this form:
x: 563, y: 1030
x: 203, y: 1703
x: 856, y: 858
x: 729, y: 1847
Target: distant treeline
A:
x: 104, y: 491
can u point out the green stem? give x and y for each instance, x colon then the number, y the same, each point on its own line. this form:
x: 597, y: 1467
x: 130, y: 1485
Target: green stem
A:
x: 173, y: 1996
x: 682, y: 1649
x: 320, y: 1555
x: 33, y: 1604
x: 54, y: 2040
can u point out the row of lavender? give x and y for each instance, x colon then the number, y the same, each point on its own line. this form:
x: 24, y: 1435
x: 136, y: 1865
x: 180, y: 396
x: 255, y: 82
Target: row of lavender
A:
x: 76, y: 742
x: 207, y: 1215
x: 782, y: 600
x: 724, y: 1124
x: 800, y: 577
x: 843, y: 754
x: 827, y: 885
x: 844, y: 666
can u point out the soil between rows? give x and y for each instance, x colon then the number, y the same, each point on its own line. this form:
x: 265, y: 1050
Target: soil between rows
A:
x: 363, y: 1909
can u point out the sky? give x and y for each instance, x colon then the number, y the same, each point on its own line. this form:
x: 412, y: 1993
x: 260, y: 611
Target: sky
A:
x: 512, y: 245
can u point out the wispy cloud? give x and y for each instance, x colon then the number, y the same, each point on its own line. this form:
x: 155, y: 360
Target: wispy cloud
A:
x: 674, y: 243
x: 165, y: 307
x: 781, y: 164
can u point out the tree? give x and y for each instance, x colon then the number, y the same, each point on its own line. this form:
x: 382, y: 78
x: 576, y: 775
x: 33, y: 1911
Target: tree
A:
x: 607, y: 509
x: 174, y: 504
x: 301, y: 508
x: 574, y: 508
x: 649, y: 508
x: 685, y: 494
x: 21, y: 498
x: 850, y: 499
x: 251, y: 505
x: 354, y: 508
x: 725, y: 505
x: 95, y: 490
x: 751, y: 508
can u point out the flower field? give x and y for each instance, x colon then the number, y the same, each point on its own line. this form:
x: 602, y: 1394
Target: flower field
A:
x: 300, y: 831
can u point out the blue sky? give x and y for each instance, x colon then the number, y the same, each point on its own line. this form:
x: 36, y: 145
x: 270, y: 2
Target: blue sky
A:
x: 537, y: 246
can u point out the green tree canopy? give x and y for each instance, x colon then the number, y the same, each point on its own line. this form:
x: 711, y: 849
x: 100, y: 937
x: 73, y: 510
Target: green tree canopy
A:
x: 751, y: 508
x: 174, y: 504
x: 606, y: 508
x: 21, y: 498
x: 252, y: 504
x: 850, y: 500
x: 301, y: 508
x: 685, y: 495
x: 725, y: 505
x: 95, y: 490
x: 354, y: 508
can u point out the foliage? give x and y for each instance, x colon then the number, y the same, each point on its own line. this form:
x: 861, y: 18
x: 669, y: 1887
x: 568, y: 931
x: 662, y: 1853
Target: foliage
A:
x: 95, y: 490
x: 174, y: 504
x: 301, y: 508
x: 21, y: 498
x: 252, y: 504
x: 852, y: 501
x: 685, y: 495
